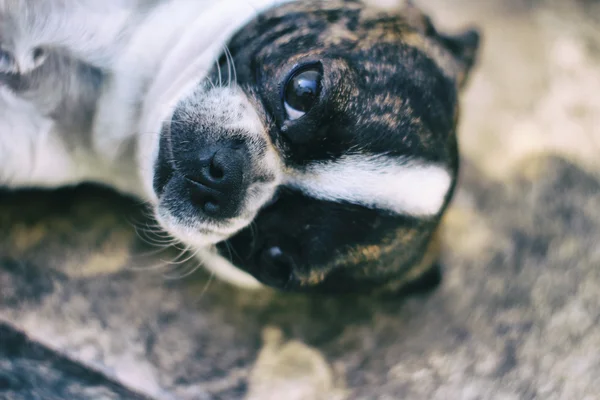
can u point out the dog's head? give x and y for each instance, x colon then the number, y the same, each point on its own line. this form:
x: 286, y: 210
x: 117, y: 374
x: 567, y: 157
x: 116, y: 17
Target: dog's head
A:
x: 321, y: 153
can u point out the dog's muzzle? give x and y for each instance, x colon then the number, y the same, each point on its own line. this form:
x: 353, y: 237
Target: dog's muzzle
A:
x: 217, y: 180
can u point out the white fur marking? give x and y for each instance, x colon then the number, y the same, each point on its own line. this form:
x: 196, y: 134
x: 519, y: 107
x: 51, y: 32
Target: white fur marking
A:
x: 226, y: 271
x: 380, y: 182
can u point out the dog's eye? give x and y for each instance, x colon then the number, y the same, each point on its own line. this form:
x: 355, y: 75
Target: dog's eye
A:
x: 302, y: 92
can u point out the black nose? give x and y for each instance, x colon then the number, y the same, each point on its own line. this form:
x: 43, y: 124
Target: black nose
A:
x: 216, y: 179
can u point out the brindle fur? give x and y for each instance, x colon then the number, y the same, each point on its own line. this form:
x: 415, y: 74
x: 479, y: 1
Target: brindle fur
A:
x: 408, y: 78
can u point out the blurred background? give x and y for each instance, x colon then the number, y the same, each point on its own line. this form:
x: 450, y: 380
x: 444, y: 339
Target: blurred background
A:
x: 537, y: 88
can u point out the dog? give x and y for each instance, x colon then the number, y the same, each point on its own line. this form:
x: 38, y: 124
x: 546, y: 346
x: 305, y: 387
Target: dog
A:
x: 307, y: 145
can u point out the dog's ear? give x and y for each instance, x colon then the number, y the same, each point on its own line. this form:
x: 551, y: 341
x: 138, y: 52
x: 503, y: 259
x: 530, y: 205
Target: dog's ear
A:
x: 465, y: 48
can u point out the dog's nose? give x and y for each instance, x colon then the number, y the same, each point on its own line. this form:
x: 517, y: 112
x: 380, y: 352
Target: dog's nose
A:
x: 216, y: 182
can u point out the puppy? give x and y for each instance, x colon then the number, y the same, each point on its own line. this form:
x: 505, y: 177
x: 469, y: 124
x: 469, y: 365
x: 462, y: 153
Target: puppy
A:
x: 317, y: 154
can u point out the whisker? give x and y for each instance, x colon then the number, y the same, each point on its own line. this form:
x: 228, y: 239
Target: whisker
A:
x: 219, y: 72
x: 228, y: 67
x: 229, y: 249
x: 158, y: 232
x: 212, y: 84
x: 173, y: 264
x: 150, y: 241
x: 151, y: 267
x: 156, y: 242
x: 159, y: 239
x: 188, y: 273
x: 183, y: 275
x: 230, y: 56
x: 176, y: 260
x: 155, y: 229
x: 253, y: 235
x: 210, y: 280
x: 154, y: 252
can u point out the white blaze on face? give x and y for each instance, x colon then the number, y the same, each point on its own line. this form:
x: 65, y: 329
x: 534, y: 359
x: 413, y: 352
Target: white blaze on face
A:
x: 401, y: 186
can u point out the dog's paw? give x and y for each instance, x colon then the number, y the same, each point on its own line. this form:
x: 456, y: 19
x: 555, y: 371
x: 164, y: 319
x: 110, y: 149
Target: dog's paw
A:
x: 21, y: 62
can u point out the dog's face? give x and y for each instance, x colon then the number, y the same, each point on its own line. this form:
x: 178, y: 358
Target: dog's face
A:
x: 325, y: 160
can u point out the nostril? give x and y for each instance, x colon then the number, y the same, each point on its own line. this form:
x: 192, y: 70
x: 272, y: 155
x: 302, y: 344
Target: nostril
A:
x: 211, y: 206
x: 215, y: 169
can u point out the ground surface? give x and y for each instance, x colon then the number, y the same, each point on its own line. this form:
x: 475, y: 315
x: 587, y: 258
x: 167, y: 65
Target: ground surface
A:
x: 516, y: 317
